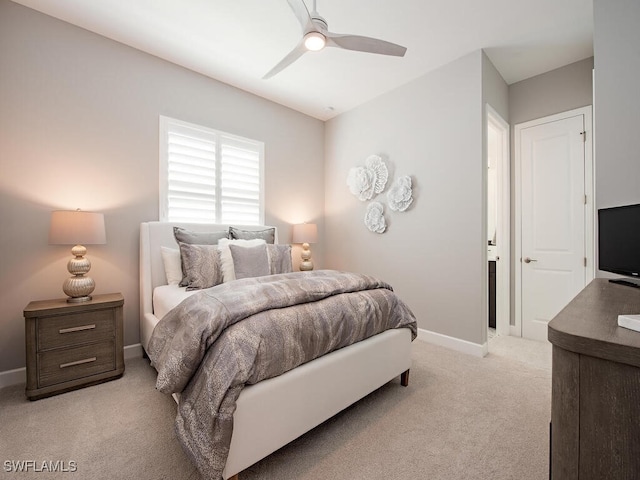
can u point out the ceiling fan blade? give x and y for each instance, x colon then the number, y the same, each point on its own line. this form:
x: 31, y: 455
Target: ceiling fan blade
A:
x: 302, y: 14
x: 364, y: 44
x: 291, y: 57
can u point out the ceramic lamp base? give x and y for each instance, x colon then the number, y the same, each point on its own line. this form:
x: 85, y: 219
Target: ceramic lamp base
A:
x: 307, y: 263
x: 79, y: 287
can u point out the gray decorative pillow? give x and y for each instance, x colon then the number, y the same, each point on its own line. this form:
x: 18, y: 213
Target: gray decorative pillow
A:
x: 280, y: 258
x: 200, y: 266
x: 198, y: 238
x: 268, y: 234
x: 182, y: 235
x: 250, y: 261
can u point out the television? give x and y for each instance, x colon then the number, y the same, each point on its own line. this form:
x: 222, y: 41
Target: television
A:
x: 619, y: 240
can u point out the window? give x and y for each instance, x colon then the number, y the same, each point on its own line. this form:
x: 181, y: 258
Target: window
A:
x: 207, y: 176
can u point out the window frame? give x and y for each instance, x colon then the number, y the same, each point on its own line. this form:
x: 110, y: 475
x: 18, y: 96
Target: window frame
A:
x: 165, y: 124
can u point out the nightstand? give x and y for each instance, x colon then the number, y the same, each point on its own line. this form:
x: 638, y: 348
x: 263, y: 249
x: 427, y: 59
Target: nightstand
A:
x: 73, y: 345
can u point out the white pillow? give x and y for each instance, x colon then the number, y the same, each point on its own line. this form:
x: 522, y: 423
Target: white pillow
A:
x: 172, y: 265
x: 228, y: 272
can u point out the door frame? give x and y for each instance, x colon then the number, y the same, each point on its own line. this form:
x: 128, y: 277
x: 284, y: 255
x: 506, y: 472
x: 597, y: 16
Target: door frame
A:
x: 503, y: 224
x: 589, y: 211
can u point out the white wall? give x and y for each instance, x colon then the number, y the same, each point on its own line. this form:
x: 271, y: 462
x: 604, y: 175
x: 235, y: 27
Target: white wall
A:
x: 432, y: 254
x: 79, y: 128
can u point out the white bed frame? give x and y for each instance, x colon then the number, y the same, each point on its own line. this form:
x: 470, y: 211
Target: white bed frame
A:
x: 274, y: 412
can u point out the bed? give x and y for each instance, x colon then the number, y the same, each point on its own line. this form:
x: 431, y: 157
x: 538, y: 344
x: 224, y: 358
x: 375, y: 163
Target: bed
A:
x: 271, y: 413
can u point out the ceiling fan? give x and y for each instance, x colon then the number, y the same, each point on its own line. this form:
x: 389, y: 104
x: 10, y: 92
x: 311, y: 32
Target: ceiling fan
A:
x: 316, y: 36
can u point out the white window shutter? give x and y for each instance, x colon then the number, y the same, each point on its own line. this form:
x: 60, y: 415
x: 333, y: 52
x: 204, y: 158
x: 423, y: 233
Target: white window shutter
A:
x: 209, y: 176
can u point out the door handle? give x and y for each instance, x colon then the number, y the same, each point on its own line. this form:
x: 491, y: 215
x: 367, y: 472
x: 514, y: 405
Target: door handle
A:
x: 529, y: 260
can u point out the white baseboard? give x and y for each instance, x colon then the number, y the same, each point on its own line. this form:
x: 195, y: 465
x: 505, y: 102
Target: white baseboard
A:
x: 13, y: 377
x: 464, y: 346
x: 19, y: 375
x: 132, y: 351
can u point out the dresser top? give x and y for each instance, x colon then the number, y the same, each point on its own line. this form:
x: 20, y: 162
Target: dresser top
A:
x: 589, y: 323
x: 60, y: 306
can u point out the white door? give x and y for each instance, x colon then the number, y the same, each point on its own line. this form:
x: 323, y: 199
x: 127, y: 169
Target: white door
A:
x: 553, y: 252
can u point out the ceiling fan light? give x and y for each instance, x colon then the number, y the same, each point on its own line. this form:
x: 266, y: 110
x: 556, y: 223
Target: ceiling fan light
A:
x: 314, y: 41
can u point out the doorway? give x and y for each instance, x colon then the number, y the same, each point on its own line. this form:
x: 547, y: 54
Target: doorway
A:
x: 498, y: 222
x: 554, y: 217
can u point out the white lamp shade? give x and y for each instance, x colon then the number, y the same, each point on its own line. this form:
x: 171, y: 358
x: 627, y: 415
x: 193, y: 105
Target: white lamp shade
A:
x: 75, y: 227
x: 305, y: 233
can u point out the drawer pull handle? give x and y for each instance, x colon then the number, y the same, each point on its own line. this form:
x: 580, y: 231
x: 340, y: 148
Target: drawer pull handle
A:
x: 78, y: 362
x: 77, y: 329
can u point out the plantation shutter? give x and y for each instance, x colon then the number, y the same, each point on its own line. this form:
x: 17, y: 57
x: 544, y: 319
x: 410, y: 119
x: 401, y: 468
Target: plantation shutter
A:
x: 240, y: 181
x: 208, y: 176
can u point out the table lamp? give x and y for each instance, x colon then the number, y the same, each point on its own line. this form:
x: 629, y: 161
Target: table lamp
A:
x: 305, y: 233
x: 75, y: 227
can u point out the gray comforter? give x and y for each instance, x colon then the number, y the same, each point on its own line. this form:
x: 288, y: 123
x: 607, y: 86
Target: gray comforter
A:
x: 239, y: 333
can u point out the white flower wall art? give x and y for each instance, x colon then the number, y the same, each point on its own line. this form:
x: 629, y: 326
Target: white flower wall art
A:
x: 361, y: 183
x: 374, y: 218
x: 379, y: 169
x: 400, y: 195
x: 364, y: 182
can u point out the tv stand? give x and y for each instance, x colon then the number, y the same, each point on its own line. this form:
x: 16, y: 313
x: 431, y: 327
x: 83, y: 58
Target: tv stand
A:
x: 627, y: 283
x: 595, y: 392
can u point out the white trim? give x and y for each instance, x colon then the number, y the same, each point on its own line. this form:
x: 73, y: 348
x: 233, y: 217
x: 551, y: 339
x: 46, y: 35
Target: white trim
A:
x: 503, y: 265
x: 516, y: 330
x: 13, y: 377
x: 132, y: 351
x: 590, y: 190
x: 453, y: 343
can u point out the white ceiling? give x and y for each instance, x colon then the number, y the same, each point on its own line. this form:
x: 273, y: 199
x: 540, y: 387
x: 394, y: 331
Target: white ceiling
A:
x: 238, y: 41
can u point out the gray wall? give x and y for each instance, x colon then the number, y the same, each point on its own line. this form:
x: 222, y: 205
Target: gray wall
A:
x: 552, y: 92
x: 79, y: 129
x: 430, y: 129
x: 495, y: 90
x: 617, y: 101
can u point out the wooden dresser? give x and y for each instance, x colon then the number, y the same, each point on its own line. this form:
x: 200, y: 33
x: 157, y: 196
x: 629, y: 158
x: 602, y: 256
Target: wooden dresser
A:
x: 595, y: 406
x: 72, y: 345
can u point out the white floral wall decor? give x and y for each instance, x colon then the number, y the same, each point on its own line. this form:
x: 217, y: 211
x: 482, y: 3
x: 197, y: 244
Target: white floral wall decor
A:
x: 374, y: 218
x: 380, y: 171
x: 371, y: 179
x: 400, y: 195
x: 366, y: 182
x: 361, y: 183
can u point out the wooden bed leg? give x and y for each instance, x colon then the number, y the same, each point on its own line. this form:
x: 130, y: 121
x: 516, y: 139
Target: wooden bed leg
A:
x: 404, y: 378
x: 235, y: 477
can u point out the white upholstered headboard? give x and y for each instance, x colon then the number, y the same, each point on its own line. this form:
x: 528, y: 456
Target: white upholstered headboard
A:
x: 154, y: 235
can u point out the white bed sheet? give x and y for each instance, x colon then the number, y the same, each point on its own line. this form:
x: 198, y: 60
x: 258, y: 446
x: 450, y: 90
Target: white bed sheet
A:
x: 165, y: 297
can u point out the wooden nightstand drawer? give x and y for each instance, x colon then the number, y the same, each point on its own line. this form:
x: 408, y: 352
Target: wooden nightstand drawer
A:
x: 76, y: 329
x: 57, y: 366
x: 73, y: 345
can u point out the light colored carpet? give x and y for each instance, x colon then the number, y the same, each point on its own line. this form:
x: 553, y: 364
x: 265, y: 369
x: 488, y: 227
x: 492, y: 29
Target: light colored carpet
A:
x: 461, y: 417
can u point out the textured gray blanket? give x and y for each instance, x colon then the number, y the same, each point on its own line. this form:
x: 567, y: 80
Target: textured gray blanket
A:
x: 239, y: 333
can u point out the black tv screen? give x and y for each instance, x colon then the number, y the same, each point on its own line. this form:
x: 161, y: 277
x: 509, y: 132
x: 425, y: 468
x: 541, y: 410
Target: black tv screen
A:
x: 619, y: 240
